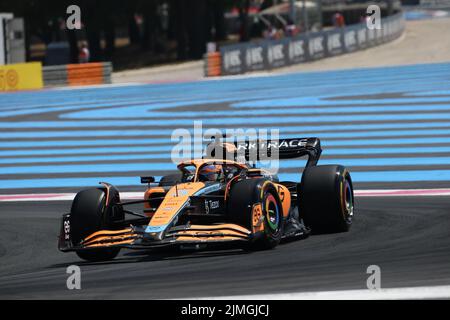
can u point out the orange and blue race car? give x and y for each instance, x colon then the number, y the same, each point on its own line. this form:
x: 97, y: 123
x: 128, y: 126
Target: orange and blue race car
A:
x: 215, y: 201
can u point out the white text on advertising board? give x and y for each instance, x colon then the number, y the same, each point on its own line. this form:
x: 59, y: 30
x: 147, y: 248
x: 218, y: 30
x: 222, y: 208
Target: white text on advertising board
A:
x: 232, y: 59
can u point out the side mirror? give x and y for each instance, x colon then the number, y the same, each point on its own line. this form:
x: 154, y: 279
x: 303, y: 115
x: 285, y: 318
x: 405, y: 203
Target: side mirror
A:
x: 149, y: 179
x: 254, y: 173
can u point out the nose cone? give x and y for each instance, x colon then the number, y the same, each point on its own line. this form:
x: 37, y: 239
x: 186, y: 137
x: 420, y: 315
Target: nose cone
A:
x: 155, y: 232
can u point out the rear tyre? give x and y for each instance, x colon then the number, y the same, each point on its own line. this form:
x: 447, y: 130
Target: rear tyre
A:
x: 326, y: 199
x: 88, y: 215
x: 247, y: 194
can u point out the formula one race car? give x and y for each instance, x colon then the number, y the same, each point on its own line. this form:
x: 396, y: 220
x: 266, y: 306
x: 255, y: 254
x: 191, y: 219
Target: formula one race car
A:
x: 214, y: 201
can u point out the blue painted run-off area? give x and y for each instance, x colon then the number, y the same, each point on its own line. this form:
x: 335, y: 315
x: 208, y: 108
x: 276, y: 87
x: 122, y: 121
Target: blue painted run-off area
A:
x: 386, y: 124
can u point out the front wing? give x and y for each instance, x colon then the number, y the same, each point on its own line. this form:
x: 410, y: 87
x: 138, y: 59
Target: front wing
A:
x: 136, y: 237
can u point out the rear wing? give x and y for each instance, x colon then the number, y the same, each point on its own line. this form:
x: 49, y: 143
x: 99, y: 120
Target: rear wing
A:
x: 253, y: 150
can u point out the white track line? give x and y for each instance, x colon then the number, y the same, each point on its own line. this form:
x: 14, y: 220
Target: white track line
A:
x: 435, y: 292
x: 96, y: 86
x: 139, y: 195
x: 58, y: 196
x: 403, y: 192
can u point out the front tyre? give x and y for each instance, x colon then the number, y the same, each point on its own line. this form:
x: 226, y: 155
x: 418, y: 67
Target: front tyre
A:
x: 98, y: 255
x: 326, y: 199
x: 88, y: 215
x: 255, y: 205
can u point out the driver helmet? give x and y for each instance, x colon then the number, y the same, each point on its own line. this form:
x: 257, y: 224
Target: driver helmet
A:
x: 209, y: 173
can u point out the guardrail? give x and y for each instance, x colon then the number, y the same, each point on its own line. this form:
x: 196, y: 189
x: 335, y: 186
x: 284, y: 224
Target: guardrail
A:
x: 270, y: 54
x: 77, y: 74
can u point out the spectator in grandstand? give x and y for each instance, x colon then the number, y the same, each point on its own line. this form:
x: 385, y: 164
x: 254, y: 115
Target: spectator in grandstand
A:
x: 270, y: 33
x: 83, y: 54
x: 364, y: 18
x: 338, y: 20
x: 279, y: 34
x: 291, y: 29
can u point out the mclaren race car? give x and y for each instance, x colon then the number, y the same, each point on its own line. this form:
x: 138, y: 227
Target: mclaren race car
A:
x: 214, y: 201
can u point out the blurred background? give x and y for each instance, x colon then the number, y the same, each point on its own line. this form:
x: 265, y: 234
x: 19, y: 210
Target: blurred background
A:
x: 137, y: 33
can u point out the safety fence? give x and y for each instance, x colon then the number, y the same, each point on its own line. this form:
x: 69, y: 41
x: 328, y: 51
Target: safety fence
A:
x: 270, y: 54
x: 77, y: 74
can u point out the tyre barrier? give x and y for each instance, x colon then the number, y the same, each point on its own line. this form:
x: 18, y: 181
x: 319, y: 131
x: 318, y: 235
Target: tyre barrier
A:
x: 77, y: 74
x: 212, y: 65
x: 271, y: 54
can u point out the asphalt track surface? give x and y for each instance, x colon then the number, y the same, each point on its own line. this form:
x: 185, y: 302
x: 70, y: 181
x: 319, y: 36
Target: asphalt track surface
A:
x: 407, y: 237
x: 390, y: 126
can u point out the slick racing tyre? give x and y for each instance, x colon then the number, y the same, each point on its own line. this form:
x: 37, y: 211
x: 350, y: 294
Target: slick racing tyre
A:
x: 326, y: 199
x: 255, y: 205
x: 88, y: 215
